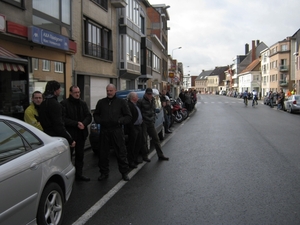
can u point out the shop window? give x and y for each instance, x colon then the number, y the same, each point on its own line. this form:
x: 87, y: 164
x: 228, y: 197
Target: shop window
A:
x: 14, y: 97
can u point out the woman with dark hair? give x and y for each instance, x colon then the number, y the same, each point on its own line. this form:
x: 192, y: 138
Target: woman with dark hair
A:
x: 51, y: 113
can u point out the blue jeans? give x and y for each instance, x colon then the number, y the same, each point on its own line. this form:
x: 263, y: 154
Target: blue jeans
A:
x: 279, y: 105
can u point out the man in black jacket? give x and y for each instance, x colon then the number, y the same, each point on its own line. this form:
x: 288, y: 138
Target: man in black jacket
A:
x: 112, y: 113
x: 77, y: 117
x: 147, y: 106
x: 51, y: 113
x: 135, y: 135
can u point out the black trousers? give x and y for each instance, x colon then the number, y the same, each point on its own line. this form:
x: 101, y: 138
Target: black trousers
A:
x: 135, y: 144
x: 112, y: 138
x: 79, y: 155
x: 149, y: 129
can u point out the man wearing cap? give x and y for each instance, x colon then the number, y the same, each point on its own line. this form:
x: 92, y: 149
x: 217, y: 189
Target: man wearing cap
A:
x: 51, y: 113
x: 147, y: 106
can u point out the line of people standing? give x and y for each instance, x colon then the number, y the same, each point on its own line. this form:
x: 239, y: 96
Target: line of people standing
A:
x: 70, y: 118
x: 189, y: 98
x: 276, y: 98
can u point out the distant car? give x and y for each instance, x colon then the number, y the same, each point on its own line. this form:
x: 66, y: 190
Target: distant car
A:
x: 36, y: 174
x: 159, y: 121
x: 292, y: 104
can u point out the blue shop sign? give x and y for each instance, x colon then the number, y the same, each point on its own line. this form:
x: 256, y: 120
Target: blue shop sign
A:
x: 45, y: 37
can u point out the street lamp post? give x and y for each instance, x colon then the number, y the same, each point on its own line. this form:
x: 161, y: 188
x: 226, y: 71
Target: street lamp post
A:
x: 175, y: 49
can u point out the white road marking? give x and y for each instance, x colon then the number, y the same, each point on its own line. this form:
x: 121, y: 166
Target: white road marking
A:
x: 98, y: 205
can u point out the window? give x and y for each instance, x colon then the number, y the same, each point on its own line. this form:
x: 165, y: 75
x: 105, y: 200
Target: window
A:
x: 54, y: 15
x: 11, y: 143
x: 35, y: 63
x: 45, y: 71
x: 46, y: 65
x: 284, y: 48
x: 18, y: 3
x: 133, y: 50
x: 59, y: 67
x: 32, y: 141
x: 142, y: 24
x: 132, y: 10
x: 102, y: 3
x: 97, y: 41
x: 156, y: 63
x: 282, y: 78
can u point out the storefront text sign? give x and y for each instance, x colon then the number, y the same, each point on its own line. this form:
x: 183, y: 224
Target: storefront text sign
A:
x: 48, y: 38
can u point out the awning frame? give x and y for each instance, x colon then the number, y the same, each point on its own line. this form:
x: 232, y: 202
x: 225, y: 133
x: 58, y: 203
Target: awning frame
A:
x: 8, y: 57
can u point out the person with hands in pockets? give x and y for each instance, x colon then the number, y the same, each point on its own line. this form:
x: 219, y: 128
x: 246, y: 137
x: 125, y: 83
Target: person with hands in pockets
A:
x: 112, y: 113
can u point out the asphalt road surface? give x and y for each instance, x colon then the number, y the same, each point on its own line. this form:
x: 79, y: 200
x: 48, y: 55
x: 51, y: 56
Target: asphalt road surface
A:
x: 229, y: 164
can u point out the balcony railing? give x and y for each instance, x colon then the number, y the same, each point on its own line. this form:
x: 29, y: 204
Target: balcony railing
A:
x: 283, y: 68
x: 119, y: 3
x: 98, y: 51
x: 283, y: 82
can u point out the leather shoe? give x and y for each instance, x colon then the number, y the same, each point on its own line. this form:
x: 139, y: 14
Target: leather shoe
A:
x: 125, y: 177
x: 146, y: 159
x: 138, y: 162
x: 163, y: 158
x: 82, y: 178
x: 168, y: 131
x: 103, y: 177
x: 132, y: 165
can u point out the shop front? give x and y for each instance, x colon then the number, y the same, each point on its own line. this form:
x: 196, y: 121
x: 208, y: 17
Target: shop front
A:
x: 26, y: 66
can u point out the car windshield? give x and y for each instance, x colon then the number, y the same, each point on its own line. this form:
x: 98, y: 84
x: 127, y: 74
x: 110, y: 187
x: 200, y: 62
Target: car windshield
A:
x: 297, y: 97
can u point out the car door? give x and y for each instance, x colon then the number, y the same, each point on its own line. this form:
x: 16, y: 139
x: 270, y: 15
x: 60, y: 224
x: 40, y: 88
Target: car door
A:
x: 20, y: 175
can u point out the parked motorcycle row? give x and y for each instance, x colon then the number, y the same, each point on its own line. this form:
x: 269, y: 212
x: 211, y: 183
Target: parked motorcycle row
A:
x: 179, y: 113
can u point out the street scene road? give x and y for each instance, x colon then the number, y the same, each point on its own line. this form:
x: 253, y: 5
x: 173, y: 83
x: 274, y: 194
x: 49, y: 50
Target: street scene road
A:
x: 229, y: 164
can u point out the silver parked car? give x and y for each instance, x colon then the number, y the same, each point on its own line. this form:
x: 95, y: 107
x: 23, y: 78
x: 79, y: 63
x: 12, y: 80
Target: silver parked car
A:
x: 292, y: 104
x: 36, y: 174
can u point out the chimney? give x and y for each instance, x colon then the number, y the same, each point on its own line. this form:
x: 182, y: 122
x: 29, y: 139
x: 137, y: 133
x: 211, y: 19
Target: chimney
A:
x: 246, y: 49
x: 257, y: 43
x: 253, y: 51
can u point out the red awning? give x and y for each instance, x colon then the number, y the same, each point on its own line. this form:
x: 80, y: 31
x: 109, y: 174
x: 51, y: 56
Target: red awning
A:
x: 11, y: 67
x: 10, y: 61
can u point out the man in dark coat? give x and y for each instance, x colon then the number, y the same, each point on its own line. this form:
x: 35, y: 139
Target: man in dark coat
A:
x: 77, y: 117
x: 51, y: 113
x: 147, y: 106
x: 135, y: 135
x: 112, y: 113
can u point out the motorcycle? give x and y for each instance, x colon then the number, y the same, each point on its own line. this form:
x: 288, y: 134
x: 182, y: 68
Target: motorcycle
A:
x: 178, y: 112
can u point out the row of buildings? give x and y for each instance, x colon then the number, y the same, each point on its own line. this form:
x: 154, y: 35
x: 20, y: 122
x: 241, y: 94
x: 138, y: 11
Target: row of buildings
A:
x: 90, y: 43
x: 262, y: 69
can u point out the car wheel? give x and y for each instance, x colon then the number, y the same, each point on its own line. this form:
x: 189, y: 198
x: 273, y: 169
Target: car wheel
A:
x: 51, y: 205
x: 162, y: 133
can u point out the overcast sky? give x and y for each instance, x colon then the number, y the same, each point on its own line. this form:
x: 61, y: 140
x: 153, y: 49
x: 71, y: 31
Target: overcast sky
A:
x: 212, y: 32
